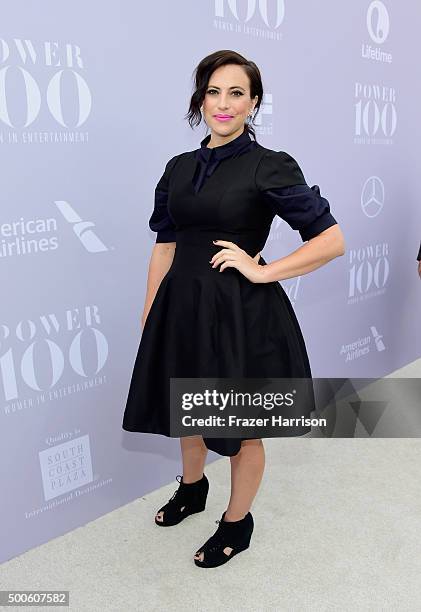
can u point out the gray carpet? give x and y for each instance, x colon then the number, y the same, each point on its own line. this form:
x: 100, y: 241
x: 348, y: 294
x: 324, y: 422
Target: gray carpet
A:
x: 337, y: 528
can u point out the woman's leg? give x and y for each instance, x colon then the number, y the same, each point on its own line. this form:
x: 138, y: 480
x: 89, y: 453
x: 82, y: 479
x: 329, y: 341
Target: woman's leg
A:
x: 247, y: 468
x: 246, y: 474
x: 194, y: 452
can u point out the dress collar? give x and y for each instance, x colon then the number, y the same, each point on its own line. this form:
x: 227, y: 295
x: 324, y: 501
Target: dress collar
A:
x: 222, y: 151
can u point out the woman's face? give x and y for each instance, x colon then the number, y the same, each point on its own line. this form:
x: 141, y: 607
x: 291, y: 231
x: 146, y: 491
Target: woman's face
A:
x: 228, y: 93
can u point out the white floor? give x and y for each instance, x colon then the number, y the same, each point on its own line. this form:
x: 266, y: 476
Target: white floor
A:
x: 337, y: 528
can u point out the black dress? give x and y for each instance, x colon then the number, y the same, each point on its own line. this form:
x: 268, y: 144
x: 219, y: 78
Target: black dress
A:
x: 207, y: 323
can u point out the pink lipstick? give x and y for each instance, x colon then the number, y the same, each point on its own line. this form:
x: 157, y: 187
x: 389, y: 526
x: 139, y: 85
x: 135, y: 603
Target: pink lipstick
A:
x: 223, y: 117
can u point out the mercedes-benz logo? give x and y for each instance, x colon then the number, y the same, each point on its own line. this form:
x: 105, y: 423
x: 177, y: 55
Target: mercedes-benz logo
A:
x: 372, y: 196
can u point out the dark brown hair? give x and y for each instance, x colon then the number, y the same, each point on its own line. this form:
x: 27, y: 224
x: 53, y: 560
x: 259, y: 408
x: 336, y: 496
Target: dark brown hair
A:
x: 202, y: 74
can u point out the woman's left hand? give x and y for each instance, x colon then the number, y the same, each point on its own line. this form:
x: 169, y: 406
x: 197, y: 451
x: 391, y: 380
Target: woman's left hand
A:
x: 233, y: 257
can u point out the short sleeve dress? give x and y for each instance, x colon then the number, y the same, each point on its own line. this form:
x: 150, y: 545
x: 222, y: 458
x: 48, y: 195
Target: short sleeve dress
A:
x: 204, y: 323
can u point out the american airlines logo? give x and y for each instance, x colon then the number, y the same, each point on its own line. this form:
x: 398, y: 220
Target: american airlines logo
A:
x: 363, y: 345
x: 39, y: 235
x: 82, y: 229
x: 377, y: 338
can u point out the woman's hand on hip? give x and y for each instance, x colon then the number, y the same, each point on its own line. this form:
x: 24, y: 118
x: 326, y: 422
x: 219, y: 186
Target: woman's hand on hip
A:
x: 232, y: 256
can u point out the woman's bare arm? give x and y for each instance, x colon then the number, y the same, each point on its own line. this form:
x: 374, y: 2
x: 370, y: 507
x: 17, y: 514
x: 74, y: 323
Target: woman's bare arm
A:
x: 161, y: 259
x: 315, y: 253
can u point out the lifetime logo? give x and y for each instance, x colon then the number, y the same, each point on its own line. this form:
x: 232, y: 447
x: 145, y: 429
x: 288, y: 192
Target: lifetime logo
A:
x: 378, y: 22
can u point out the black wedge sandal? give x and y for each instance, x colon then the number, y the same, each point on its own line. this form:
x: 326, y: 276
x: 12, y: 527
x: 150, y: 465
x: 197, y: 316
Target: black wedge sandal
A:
x: 189, y: 498
x: 232, y: 534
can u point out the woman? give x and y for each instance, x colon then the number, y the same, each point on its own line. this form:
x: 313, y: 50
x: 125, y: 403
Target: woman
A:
x: 217, y: 204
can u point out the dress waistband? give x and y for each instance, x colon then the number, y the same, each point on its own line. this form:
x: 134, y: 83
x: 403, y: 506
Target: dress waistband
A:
x: 249, y: 240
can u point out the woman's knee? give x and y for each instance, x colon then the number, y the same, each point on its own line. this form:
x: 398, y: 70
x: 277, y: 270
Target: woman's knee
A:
x: 253, y: 443
x: 194, y: 443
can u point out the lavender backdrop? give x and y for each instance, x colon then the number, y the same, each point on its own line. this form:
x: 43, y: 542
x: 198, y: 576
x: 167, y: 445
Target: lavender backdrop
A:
x: 92, y: 99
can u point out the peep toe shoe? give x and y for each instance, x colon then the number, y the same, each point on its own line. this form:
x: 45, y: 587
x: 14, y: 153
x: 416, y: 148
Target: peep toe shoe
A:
x: 233, y: 534
x: 189, y: 498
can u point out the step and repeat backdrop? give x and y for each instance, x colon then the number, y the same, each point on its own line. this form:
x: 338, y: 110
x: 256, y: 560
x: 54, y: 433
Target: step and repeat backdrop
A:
x: 92, y: 104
